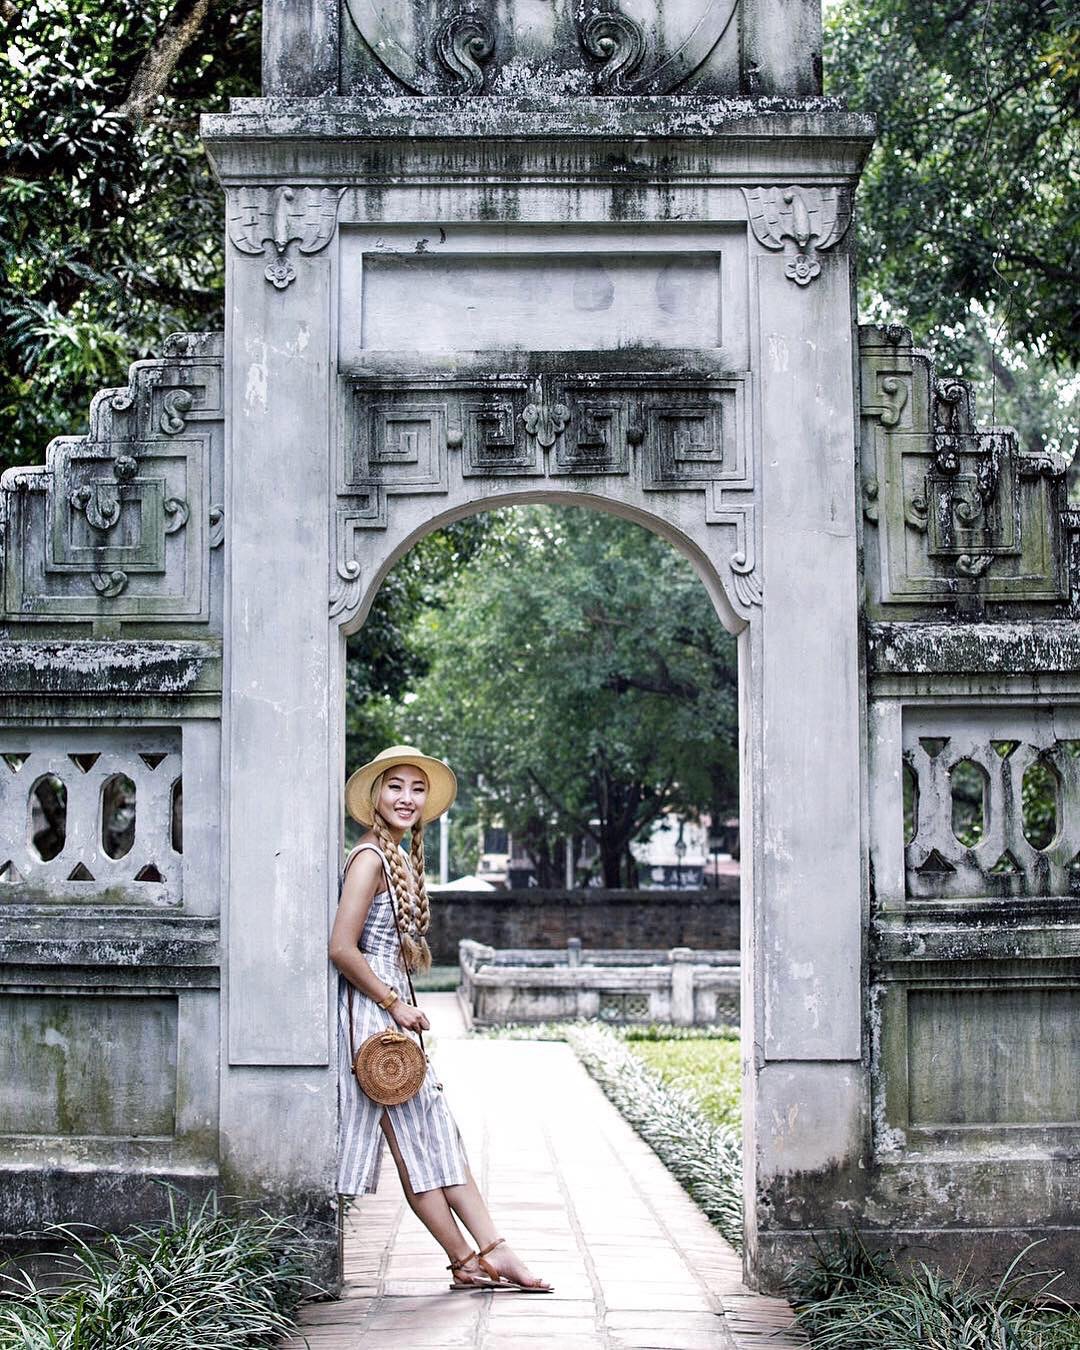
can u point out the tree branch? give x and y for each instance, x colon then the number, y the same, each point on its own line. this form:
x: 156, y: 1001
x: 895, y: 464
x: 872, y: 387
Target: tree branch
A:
x: 173, y: 39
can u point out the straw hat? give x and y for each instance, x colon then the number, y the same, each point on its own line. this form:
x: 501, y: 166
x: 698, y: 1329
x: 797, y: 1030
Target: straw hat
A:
x: 442, y: 785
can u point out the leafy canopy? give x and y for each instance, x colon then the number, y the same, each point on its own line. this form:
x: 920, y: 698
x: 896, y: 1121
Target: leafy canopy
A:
x: 579, y: 680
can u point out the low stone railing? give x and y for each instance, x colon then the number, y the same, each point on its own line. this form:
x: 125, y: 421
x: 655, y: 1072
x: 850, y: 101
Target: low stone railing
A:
x: 680, y: 986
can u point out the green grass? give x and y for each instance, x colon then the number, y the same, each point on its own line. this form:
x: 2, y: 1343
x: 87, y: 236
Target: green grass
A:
x: 709, y: 1069
x: 200, y: 1281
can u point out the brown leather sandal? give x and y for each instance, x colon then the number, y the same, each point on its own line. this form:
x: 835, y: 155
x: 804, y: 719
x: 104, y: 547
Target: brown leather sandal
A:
x: 504, y: 1281
x: 480, y: 1282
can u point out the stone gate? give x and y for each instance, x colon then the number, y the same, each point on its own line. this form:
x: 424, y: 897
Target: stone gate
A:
x: 588, y: 255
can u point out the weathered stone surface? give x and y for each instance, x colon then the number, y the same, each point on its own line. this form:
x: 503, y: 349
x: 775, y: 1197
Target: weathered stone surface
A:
x: 684, y: 986
x: 956, y: 515
x: 758, y: 47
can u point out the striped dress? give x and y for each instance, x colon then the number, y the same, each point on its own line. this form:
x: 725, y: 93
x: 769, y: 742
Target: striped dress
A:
x: 427, y: 1135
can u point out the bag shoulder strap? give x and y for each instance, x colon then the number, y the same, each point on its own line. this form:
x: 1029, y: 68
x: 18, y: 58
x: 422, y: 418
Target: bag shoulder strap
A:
x: 374, y: 848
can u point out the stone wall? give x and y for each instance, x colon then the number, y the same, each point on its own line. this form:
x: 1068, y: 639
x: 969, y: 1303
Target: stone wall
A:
x: 611, y: 919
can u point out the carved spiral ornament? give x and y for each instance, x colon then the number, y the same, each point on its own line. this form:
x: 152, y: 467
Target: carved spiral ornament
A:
x: 619, y: 43
x: 462, y: 43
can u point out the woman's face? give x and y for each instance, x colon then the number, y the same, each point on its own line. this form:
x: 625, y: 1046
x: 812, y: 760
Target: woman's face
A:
x: 402, y: 795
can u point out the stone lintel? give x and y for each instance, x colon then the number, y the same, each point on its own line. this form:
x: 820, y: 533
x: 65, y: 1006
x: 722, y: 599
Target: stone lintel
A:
x: 1037, y: 647
x: 124, y: 668
x: 818, y: 133
x: 59, y: 938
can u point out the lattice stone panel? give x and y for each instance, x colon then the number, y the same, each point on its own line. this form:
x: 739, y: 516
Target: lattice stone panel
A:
x: 1003, y: 743
x: 85, y: 761
x: 624, y: 1007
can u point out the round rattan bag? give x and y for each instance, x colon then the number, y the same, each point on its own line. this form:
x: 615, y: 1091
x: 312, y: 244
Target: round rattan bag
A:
x: 390, y: 1067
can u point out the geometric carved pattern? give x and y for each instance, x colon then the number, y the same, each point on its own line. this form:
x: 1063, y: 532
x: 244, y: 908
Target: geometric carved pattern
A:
x: 1003, y: 744
x: 408, y: 434
x: 118, y: 524
x: 956, y: 513
x: 54, y: 785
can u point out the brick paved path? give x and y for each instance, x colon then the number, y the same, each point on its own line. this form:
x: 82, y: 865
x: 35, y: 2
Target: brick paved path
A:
x: 586, y: 1203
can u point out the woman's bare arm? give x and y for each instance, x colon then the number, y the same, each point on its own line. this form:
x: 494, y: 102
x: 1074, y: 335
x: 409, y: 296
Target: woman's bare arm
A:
x: 362, y: 881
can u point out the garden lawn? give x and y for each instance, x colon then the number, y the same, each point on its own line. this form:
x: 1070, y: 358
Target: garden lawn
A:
x: 708, y: 1068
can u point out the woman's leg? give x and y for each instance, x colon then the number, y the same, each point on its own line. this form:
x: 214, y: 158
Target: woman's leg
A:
x: 430, y: 1207
x: 469, y: 1205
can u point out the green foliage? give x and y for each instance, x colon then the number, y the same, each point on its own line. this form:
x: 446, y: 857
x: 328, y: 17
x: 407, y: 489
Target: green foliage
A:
x: 579, y: 680
x: 856, y: 1299
x: 971, y: 192
x: 110, y: 219
x: 201, y: 1281
x: 383, y: 660
x: 968, y: 213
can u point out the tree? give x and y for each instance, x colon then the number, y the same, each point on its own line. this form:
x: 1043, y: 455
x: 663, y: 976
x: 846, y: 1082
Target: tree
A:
x: 968, y: 214
x: 579, y: 680
x: 110, y: 219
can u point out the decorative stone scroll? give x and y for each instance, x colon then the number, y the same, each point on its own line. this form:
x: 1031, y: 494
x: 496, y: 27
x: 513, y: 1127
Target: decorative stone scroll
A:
x: 421, y: 435
x: 957, y: 514
x: 117, y: 525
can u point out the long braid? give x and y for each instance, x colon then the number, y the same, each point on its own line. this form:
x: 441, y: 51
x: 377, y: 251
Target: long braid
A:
x: 409, y: 894
x: 423, y: 904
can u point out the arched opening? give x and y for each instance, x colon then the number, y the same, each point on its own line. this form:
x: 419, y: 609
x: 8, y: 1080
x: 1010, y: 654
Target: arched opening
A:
x: 703, y: 844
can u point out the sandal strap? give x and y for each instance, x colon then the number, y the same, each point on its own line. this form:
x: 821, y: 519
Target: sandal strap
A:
x: 456, y: 1265
x: 490, y: 1247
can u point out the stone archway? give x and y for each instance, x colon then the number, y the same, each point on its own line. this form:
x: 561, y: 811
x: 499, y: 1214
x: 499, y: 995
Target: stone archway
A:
x: 401, y: 378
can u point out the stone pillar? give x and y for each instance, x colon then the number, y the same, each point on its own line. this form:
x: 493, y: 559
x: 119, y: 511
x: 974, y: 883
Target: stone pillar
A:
x: 682, y: 986
x: 279, y: 807
x: 808, y: 1101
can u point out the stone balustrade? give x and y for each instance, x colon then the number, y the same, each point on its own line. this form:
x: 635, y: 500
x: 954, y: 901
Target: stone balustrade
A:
x: 680, y: 986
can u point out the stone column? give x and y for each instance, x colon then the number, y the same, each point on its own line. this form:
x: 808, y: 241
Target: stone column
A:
x: 808, y: 1098
x: 682, y: 986
x: 279, y: 836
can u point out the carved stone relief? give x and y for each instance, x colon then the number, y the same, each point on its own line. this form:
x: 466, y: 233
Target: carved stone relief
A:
x: 403, y: 436
x: 944, y: 862
x: 278, y: 217
x: 118, y: 524
x: 951, y: 506
x: 803, y: 222
x: 473, y: 47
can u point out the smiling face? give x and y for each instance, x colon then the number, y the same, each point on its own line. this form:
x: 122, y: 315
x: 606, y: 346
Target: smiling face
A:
x: 402, y: 796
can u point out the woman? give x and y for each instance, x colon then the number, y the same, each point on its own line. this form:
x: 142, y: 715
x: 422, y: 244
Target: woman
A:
x: 401, y: 791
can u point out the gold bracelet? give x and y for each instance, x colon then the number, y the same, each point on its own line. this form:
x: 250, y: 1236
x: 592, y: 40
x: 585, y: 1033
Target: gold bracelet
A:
x: 389, y: 1000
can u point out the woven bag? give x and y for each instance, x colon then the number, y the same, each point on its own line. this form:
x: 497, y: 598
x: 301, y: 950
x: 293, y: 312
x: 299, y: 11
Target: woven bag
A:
x: 390, y: 1066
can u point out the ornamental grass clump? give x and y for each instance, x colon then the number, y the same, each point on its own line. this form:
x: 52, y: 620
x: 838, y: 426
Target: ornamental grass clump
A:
x: 705, y: 1158
x: 200, y: 1281
x: 860, y: 1300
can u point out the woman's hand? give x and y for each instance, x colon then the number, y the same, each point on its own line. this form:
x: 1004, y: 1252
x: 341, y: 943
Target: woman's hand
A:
x: 408, y: 1017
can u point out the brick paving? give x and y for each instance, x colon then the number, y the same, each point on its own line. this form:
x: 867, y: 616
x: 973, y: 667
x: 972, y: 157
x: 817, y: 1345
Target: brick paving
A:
x: 588, y: 1205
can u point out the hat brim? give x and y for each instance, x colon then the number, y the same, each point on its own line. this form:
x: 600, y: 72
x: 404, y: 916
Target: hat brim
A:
x: 442, y: 784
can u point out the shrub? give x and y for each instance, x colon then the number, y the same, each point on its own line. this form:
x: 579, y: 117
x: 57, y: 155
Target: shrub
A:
x: 853, y: 1298
x: 203, y: 1280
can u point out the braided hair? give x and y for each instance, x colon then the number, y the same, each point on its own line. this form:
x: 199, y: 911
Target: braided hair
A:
x: 409, y: 892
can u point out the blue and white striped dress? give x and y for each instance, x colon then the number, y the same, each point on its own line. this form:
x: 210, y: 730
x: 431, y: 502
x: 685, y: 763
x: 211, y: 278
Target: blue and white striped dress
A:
x: 426, y: 1132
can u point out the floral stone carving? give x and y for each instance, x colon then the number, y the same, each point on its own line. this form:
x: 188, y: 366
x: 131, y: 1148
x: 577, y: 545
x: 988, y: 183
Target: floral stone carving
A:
x: 803, y: 222
x: 279, y: 217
